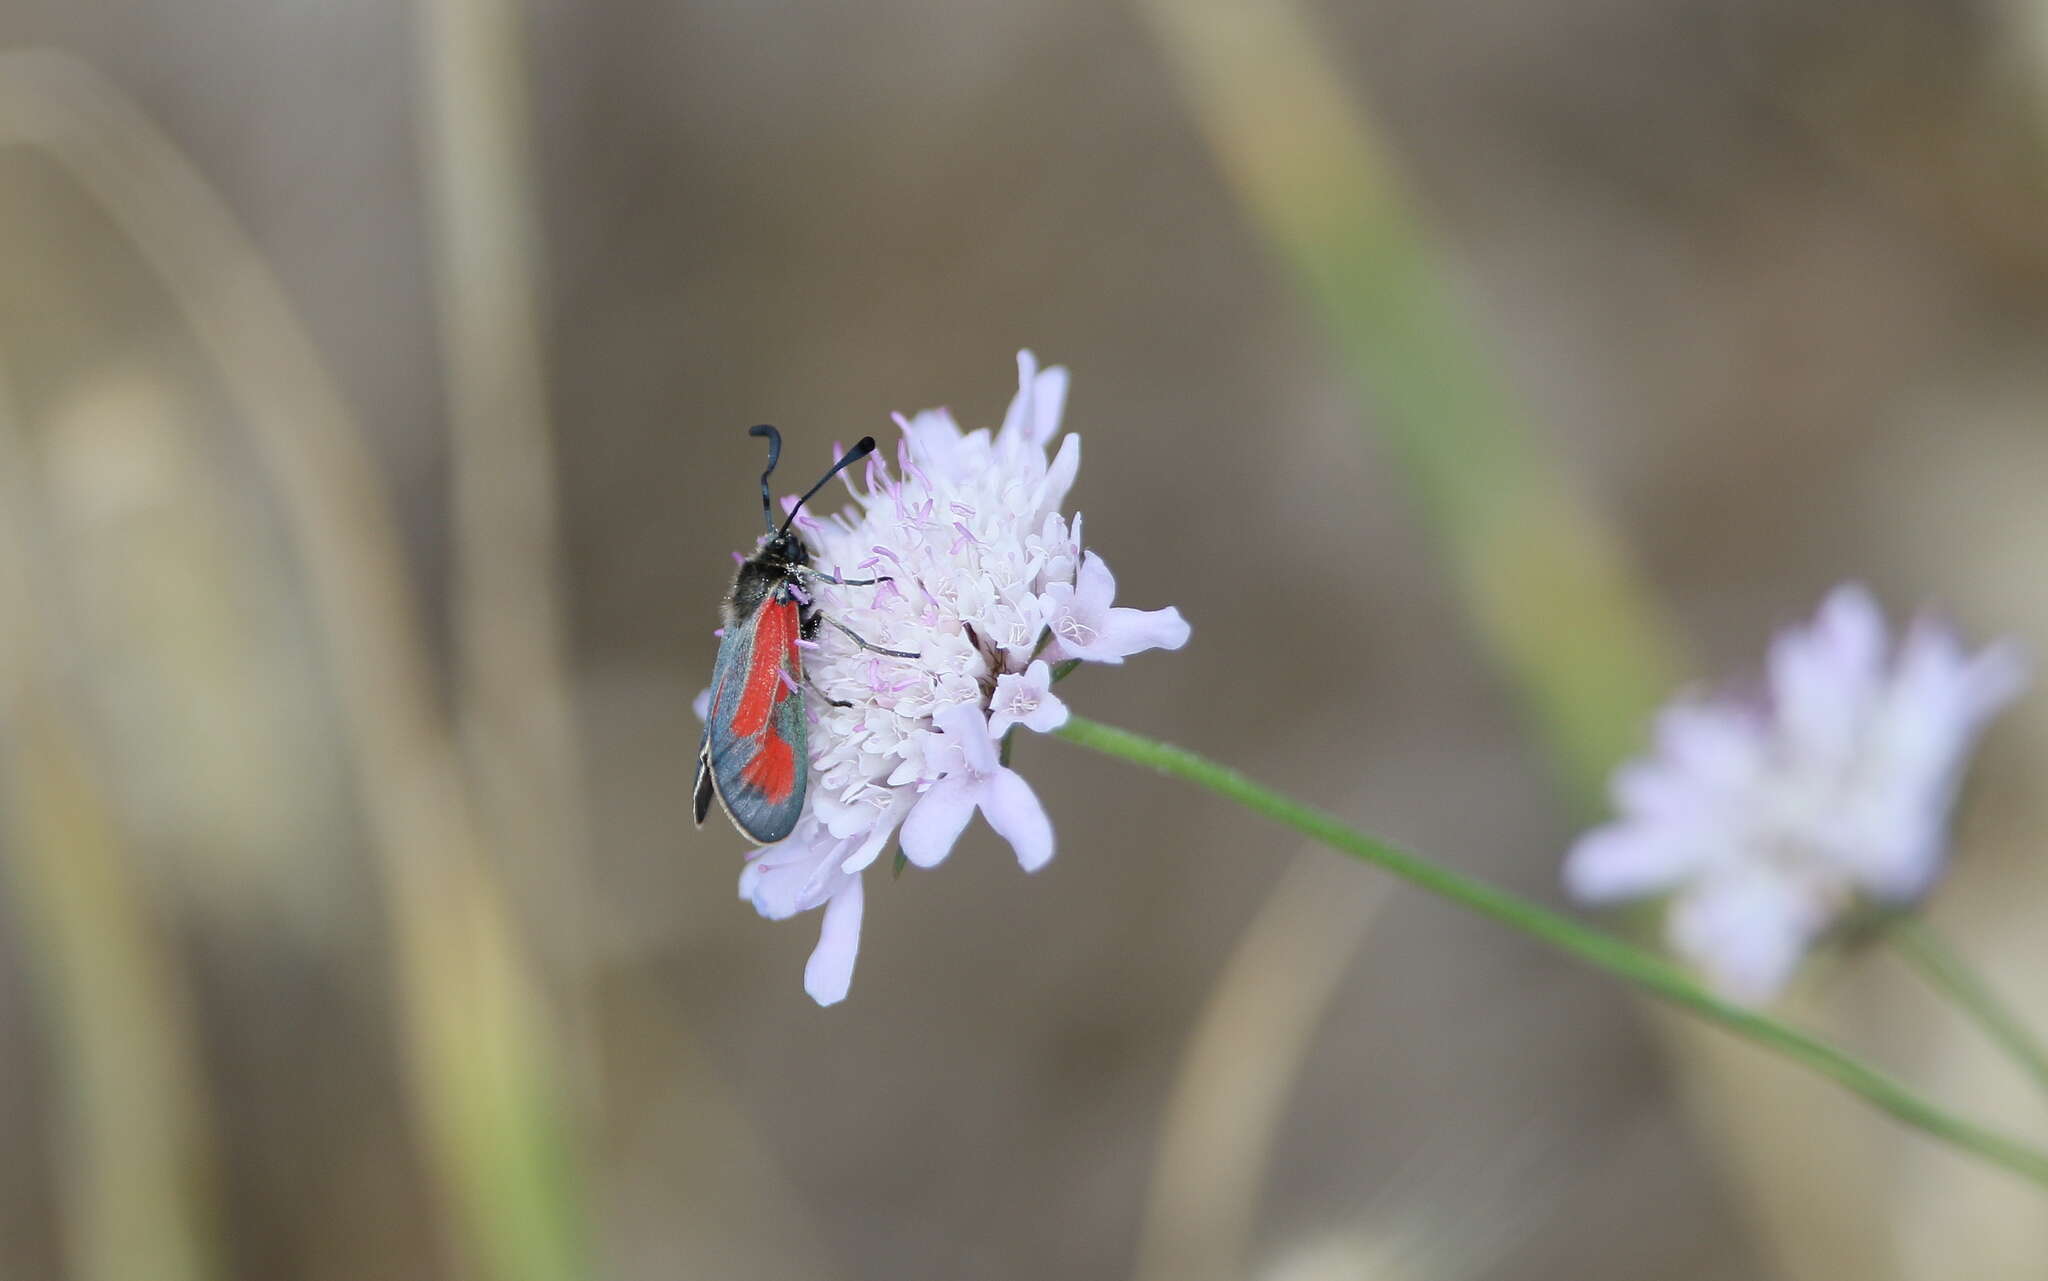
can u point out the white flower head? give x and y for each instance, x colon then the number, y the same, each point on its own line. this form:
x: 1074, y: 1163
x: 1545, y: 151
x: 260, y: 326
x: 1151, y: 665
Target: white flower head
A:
x: 987, y: 580
x: 1768, y: 819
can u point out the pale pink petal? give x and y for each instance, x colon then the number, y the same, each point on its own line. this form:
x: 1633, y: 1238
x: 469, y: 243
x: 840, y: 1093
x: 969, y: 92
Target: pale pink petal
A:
x: 1656, y: 791
x: 1075, y: 611
x: 1825, y: 676
x: 780, y: 888
x: 701, y: 705
x: 1094, y: 586
x: 1747, y: 931
x: 1630, y: 860
x: 966, y: 728
x: 838, y: 817
x: 1051, y: 714
x: 934, y: 437
x: 1132, y: 631
x: 1919, y: 741
x: 1056, y: 602
x: 1012, y: 808
x: 1721, y: 746
x: 1034, y: 413
x: 1022, y: 411
x: 1059, y: 477
x: 1900, y: 863
x: 1940, y: 694
x: 1049, y: 405
x: 937, y: 820
x: 883, y: 823
x: 829, y: 972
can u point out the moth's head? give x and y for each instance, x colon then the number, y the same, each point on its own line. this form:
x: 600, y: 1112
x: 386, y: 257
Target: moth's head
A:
x: 785, y: 546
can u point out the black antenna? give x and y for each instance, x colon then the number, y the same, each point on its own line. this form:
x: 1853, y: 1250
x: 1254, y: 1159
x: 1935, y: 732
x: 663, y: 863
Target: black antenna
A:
x: 774, y: 452
x: 861, y: 449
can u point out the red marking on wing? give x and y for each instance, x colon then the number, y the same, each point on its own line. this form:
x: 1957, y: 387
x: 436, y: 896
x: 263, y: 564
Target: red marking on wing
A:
x: 772, y: 772
x: 776, y: 627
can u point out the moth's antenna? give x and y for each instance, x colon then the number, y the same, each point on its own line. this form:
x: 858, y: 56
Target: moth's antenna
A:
x: 774, y: 452
x: 861, y: 449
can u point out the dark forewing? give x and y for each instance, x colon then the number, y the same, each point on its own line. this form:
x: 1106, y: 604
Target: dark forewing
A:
x: 754, y: 739
x: 703, y: 790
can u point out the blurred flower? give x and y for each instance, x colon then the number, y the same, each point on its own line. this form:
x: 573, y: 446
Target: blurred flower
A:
x: 1768, y: 818
x: 984, y: 573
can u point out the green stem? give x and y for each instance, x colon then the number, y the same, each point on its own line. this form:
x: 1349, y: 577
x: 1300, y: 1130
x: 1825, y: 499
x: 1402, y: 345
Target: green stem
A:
x: 1601, y: 950
x: 1948, y: 973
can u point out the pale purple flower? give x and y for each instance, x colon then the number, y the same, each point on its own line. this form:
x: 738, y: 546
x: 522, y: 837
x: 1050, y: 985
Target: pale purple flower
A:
x: 1086, y: 626
x: 1026, y: 698
x: 974, y: 779
x: 788, y: 878
x: 1767, y: 819
x: 983, y: 565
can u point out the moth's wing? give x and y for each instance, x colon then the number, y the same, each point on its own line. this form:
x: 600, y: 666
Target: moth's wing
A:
x: 755, y: 741
x: 728, y: 651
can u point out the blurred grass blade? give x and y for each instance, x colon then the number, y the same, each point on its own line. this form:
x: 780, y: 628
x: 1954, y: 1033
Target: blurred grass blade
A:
x: 1547, y: 584
x: 133, y: 1139
x: 1241, y: 1062
x: 1948, y: 973
x: 479, y: 1058
x: 206, y: 697
x: 514, y: 703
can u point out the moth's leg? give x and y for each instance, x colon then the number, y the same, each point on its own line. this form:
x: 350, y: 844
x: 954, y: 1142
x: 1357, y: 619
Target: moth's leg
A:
x: 836, y: 702
x: 844, y: 582
x: 857, y: 639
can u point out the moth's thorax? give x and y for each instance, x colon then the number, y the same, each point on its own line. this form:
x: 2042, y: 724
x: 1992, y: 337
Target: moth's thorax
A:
x: 778, y: 562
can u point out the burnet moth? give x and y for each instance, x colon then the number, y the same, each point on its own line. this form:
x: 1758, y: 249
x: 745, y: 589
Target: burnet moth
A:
x: 755, y: 754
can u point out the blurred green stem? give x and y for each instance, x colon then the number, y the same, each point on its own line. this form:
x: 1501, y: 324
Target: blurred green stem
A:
x: 1547, y: 585
x: 514, y: 702
x: 1603, y: 951
x: 1947, y: 972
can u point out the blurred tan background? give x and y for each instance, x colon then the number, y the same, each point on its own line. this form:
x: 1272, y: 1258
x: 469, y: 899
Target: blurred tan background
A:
x: 1771, y: 280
